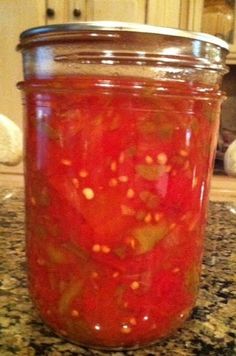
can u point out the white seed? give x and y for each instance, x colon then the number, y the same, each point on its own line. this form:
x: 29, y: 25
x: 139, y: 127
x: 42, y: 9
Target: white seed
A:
x: 172, y: 226
x: 66, y: 162
x: 126, y: 329
x: 83, y: 173
x: 148, y: 159
x: 133, y: 321
x: 122, y: 157
x: 183, y: 153
x: 131, y: 242
x: 96, y: 248
x: 123, y: 179
x: 162, y: 158
x: 157, y: 217
x: 115, y: 274
x: 33, y: 201
x: 75, y: 182
x: 168, y: 168
x: 113, y: 166
x: 105, y: 249
x: 134, y: 285
x: 148, y: 218
x: 130, y: 193
x: 126, y: 210
x: 88, y: 193
x: 194, y: 182
x: 75, y: 313
x: 113, y: 182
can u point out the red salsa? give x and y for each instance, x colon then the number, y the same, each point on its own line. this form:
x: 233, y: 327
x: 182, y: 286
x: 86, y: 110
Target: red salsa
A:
x: 117, y: 180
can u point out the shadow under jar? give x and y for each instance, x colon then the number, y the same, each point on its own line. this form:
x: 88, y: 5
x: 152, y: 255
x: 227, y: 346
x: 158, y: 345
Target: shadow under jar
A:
x: 121, y: 126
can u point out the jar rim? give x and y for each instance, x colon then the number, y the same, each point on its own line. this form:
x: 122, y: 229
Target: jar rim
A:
x: 123, y: 27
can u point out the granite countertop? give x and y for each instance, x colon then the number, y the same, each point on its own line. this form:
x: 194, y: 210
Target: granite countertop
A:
x: 211, y: 330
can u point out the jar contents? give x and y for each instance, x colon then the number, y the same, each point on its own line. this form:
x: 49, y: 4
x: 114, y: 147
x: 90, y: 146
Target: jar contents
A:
x: 116, y: 203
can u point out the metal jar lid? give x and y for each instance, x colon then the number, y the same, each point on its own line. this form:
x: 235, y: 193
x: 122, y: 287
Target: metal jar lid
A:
x: 73, y: 28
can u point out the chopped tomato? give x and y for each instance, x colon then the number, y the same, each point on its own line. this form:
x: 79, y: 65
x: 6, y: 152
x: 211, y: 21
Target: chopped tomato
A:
x: 117, y: 180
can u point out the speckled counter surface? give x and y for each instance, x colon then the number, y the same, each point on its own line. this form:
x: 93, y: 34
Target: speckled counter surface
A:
x: 210, y: 331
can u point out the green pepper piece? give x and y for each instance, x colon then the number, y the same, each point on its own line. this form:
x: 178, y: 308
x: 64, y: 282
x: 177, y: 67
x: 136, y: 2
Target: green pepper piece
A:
x: 166, y: 130
x: 163, y: 130
x: 140, y: 215
x: 43, y: 197
x: 192, y: 279
x: 71, y: 291
x: 55, y: 254
x: 149, y: 236
x: 114, y: 123
x: 50, y: 131
x: 119, y: 294
x: 150, y: 199
x: 120, y: 251
x: 76, y: 250
x: 150, y: 172
x: 39, y: 231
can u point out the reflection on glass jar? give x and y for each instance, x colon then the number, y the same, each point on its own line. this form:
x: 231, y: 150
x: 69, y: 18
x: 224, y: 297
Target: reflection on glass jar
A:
x: 218, y: 18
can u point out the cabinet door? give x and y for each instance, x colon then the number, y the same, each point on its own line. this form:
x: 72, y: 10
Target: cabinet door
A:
x: 56, y: 11
x: 163, y: 13
x: 15, y: 17
x: 116, y: 10
x: 216, y: 17
x: 63, y: 11
x: 77, y: 10
x: 191, y: 14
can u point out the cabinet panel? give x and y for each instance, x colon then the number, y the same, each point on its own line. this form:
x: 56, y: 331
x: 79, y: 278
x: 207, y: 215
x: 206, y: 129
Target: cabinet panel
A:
x: 217, y: 17
x: 163, y: 13
x: 63, y: 11
x: 56, y: 11
x: 15, y: 16
x: 116, y: 10
x: 77, y: 10
x: 191, y: 14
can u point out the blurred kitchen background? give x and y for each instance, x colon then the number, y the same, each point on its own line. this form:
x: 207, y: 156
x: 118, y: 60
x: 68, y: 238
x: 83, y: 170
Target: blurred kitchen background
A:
x: 216, y: 17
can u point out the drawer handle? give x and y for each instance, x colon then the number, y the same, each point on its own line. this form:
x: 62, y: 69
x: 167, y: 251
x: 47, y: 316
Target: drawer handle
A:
x: 50, y: 12
x: 77, y: 12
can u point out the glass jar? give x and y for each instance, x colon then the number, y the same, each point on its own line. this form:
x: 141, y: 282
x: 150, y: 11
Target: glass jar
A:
x: 121, y: 125
x: 218, y: 18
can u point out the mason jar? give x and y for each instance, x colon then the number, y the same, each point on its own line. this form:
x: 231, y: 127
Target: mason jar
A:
x: 121, y: 124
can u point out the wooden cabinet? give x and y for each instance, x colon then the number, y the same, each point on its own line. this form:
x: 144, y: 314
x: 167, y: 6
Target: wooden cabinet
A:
x: 18, y: 15
x: 15, y: 16
x: 216, y: 17
x: 164, y: 13
x: 60, y: 11
x: 113, y: 10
